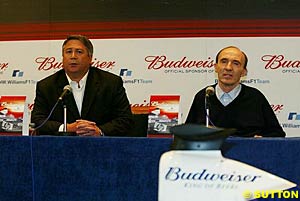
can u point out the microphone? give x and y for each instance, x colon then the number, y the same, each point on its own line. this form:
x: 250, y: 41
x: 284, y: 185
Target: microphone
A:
x: 66, y: 91
x: 209, y: 91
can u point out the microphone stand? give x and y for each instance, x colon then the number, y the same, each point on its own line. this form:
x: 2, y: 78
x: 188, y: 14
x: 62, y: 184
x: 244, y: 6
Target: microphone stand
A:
x: 65, y: 132
x: 65, y: 117
x: 207, y: 110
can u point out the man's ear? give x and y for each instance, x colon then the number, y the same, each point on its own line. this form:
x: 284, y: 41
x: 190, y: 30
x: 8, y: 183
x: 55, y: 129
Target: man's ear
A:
x: 244, y: 72
x: 215, y: 66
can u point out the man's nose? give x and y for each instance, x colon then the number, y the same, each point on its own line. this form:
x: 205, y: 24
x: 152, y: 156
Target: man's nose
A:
x: 228, y: 66
x: 73, y: 55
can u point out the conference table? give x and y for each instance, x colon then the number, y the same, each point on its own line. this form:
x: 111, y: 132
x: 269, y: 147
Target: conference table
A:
x: 49, y: 168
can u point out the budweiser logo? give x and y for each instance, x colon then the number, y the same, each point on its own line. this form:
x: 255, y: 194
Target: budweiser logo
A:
x: 3, y: 66
x: 50, y: 63
x: 278, y: 61
x: 277, y: 108
x: 145, y: 104
x: 30, y: 106
x: 177, y: 174
x: 158, y: 62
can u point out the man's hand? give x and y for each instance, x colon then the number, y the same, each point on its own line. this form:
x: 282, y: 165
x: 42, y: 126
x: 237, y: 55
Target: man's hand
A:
x: 84, y: 128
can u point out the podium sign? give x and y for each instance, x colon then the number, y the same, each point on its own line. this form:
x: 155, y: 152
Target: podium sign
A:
x: 207, y: 175
x: 163, y: 114
x: 13, y: 115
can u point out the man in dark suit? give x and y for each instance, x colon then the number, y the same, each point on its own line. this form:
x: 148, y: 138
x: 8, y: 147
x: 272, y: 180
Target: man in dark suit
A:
x: 98, y: 104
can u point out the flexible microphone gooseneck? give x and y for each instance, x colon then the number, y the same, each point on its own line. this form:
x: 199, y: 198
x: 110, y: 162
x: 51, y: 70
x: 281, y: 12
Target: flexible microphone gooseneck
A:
x: 67, y: 90
x: 208, y: 92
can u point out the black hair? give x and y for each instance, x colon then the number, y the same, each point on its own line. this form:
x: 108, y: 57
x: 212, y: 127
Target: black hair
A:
x: 85, y: 41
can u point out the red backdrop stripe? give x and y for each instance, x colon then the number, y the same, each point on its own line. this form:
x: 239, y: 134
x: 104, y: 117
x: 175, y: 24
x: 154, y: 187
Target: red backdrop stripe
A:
x: 151, y: 29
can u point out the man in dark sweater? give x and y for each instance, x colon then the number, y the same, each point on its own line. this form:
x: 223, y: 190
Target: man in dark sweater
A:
x: 235, y: 105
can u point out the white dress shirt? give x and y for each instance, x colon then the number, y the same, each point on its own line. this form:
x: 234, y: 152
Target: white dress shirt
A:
x: 78, y: 93
x: 78, y: 90
x: 226, y: 98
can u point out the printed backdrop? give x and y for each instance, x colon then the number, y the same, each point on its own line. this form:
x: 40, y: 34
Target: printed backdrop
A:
x: 168, y: 66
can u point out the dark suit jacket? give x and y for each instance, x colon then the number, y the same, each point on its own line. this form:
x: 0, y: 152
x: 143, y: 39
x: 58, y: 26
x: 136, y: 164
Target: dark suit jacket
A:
x: 105, y: 102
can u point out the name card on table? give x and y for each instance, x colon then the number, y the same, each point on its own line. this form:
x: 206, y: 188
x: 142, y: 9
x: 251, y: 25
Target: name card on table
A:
x: 207, y: 175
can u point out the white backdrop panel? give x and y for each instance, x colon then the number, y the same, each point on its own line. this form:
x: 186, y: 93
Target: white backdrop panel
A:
x: 159, y: 66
